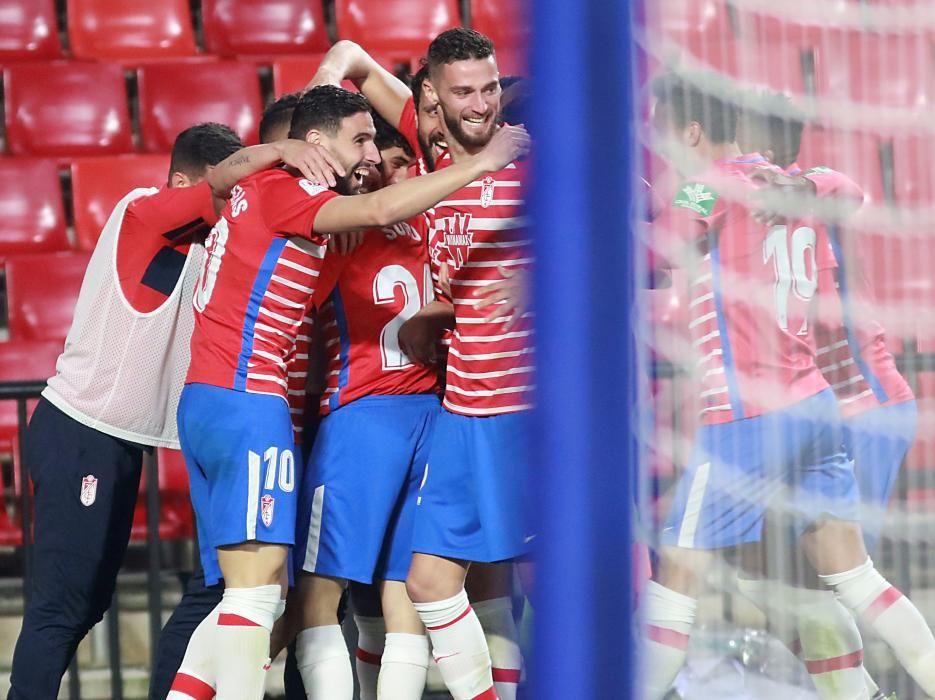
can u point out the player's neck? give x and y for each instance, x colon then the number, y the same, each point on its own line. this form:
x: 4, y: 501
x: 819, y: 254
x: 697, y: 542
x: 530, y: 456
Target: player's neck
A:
x: 459, y: 151
x: 719, y: 151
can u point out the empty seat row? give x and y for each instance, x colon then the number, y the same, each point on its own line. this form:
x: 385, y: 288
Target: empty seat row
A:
x: 146, y: 30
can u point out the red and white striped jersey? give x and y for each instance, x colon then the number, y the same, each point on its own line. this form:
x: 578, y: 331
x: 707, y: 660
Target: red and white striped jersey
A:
x: 380, y: 286
x: 478, y: 229
x: 751, y: 293
x: 255, y: 291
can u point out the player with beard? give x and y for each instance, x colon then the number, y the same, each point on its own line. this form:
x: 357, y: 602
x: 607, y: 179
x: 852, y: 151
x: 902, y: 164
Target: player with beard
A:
x: 489, y: 585
x: 255, y: 290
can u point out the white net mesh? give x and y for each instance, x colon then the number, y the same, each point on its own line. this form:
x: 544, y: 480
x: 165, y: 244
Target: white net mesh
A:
x: 860, y: 75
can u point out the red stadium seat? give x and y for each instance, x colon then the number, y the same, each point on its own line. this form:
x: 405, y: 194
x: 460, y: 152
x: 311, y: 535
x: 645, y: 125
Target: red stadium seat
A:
x: 504, y: 21
x: 238, y: 27
x: 774, y: 65
x: 32, y: 218
x: 699, y: 28
x: 137, y: 30
x: 66, y: 109
x: 41, y: 293
x: 402, y: 29
x: 895, y: 71
x: 99, y: 183
x: 857, y: 154
x: 29, y: 31
x: 795, y: 26
x: 913, y: 178
x: 172, y: 100
x: 292, y: 73
x: 29, y: 360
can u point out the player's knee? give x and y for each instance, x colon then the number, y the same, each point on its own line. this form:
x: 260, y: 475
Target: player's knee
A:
x: 681, y: 570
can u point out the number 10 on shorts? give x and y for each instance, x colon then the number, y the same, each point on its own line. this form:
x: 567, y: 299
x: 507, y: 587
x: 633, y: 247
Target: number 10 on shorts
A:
x: 281, y: 463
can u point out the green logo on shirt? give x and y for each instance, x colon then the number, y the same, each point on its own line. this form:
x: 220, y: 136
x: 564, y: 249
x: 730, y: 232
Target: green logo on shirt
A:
x: 697, y: 197
x: 819, y: 169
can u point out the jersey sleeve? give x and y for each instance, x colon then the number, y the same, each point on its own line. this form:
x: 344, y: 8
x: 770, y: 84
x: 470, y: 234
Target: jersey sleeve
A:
x: 694, y: 211
x: 409, y: 126
x: 173, y: 211
x: 831, y: 183
x: 290, y: 205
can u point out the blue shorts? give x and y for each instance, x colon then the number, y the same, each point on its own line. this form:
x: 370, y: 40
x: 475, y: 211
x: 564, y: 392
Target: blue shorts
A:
x: 737, y: 468
x: 472, y: 505
x: 240, y: 454
x: 359, y: 492
x: 878, y: 441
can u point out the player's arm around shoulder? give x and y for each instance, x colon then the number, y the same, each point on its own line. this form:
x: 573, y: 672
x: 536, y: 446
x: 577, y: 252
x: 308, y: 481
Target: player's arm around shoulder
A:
x: 396, y: 203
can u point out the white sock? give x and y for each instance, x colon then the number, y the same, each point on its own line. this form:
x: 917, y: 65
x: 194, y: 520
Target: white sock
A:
x: 764, y: 595
x: 241, y: 654
x: 195, y: 677
x: 496, y: 617
x: 831, y: 646
x: 324, y: 663
x: 459, y: 647
x: 371, y: 638
x: 892, y: 616
x: 667, y: 622
x: 405, y: 663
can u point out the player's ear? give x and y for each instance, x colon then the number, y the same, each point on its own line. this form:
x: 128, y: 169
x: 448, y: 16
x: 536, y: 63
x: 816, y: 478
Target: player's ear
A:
x: 769, y: 154
x: 177, y: 179
x: 313, y: 136
x: 693, y: 133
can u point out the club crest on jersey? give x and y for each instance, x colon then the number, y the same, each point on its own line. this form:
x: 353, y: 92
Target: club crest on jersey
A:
x: 696, y: 197
x: 266, y: 509
x: 457, y: 238
x: 88, y: 490
x: 486, y: 191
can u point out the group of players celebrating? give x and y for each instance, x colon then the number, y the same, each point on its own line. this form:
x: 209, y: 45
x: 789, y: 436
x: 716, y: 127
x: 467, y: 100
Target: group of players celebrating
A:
x: 365, y: 263
x: 805, y: 418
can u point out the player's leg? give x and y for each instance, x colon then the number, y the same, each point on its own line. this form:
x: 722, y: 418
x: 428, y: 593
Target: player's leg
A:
x: 85, y: 486
x: 405, y: 658
x: 468, y: 511
x: 371, y: 636
x: 198, y: 602
x: 244, y: 445
x: 321, y: 651
x: 825, y: 493
x: 490, y: 590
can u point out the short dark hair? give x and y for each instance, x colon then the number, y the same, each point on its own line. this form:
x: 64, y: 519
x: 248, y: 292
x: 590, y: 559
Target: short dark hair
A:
x: 705, y: 98
x: 324, y: 108
x: 415, y: 83
x: 783, y: 120
x: 277, y: 115
x: 202, y: 145
x: 388, y: 137
x: 458, y: 44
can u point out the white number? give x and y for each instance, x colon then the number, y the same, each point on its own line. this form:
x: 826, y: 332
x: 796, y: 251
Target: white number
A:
x: 385, y: 285
x: 215, y: 246
x: 796, y: 273
x: 286, y: 468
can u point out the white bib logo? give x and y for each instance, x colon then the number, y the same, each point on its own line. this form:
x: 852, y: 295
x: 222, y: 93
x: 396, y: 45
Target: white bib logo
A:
x: 88, y: 490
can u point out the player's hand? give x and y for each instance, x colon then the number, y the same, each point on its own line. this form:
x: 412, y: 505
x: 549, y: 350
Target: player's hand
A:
x: 780, y: 194
x: 508, y: 144
x: 345, y: 243
x: 418, y: 339
x: 314, y: 161
x: 508, y: 297
x: 444, y: 280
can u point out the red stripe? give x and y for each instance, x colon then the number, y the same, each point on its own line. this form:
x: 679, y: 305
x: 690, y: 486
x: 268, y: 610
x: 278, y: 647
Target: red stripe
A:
x: 670, y: 638
x: 449, y: 624
x: 489, y: 694
x: 506, y: 675
x: 882, y: 603
x: 367, y: 657
x: 231, y: 620
x: 838, y: 663
x: 193, y: 687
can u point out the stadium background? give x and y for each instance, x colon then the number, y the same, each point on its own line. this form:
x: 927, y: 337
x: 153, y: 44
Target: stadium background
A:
x: 863, y: 71
x: 94, y: 92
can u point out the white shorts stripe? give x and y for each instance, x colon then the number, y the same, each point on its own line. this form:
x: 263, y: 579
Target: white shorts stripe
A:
x: 693, y: 506
x: 253, y: 493
x: 314, y: 530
